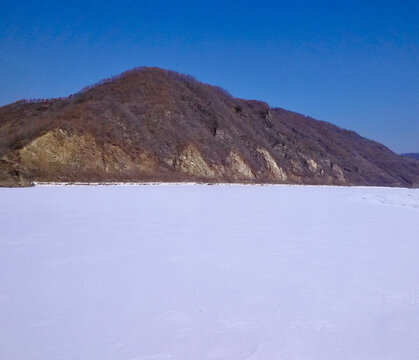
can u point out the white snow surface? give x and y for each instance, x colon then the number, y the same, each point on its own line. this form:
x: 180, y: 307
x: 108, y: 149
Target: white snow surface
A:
x: 209, y: 272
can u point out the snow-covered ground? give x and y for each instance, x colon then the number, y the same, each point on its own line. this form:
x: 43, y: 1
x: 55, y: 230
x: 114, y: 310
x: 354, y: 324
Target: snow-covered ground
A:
x: 209, y: 272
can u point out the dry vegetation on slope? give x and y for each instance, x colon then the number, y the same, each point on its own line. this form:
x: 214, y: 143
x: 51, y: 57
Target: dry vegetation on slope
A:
x: 150, y: 124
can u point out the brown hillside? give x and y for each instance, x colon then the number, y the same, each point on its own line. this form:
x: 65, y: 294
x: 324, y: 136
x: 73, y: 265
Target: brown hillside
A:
x: 150, y: 124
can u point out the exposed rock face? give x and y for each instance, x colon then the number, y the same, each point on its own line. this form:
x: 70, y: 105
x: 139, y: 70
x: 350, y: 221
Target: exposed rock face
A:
x: 276, y: 173
x: 12, y: 175
x: 155, y: 125
x: 58, y: 155
x: 190, y: 162
x: 239, y: 170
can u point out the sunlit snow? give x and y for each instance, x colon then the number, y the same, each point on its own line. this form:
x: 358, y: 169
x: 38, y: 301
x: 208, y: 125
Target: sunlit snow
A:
x: 209, y: 272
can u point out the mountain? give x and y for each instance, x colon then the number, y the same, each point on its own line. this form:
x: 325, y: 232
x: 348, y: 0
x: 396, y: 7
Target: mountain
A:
x: 150, y: 124
x: 412, y: 155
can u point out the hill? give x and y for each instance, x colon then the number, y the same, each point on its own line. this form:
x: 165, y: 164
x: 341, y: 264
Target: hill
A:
x: 150, y: 124
x: 412, y: 155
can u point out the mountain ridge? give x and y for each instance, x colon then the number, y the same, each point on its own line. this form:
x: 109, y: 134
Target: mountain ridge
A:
x: 151, y: 124
x: 411, y: 155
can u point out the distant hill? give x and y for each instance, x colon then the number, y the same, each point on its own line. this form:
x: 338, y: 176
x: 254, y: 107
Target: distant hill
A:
x: 150, y: 124
x: 412, y: 155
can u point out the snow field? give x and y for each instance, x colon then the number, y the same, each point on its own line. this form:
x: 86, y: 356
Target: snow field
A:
x: 209, y: 272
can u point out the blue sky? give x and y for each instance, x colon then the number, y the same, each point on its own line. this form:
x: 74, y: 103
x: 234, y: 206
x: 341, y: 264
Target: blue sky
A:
x: 353, y: 63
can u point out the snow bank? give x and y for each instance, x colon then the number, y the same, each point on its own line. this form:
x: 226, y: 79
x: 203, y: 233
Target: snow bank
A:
x: 209, y: 272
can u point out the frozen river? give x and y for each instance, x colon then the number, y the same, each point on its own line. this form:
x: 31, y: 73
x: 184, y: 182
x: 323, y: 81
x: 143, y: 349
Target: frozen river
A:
x: 209, y: 272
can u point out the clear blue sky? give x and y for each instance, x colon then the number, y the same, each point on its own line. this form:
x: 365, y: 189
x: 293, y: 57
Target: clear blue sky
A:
x: 353, y: 63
